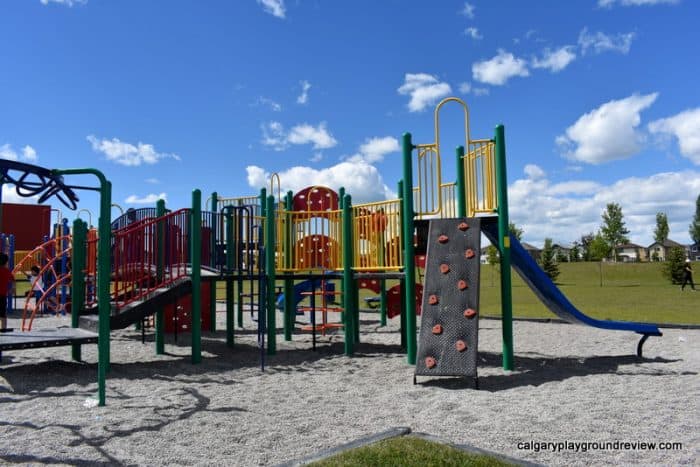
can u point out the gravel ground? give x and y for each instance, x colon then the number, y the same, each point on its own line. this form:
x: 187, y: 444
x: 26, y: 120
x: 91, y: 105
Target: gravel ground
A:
x: 571, y: 384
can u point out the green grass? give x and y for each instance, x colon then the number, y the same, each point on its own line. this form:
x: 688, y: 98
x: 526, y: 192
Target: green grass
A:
x: 409, y: 451
x: 629, y: 292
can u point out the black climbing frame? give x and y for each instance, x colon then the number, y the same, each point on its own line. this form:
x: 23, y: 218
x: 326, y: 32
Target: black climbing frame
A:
x: 448, y: 340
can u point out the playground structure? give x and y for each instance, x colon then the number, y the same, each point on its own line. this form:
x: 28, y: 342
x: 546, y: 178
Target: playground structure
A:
x: 149, y: 260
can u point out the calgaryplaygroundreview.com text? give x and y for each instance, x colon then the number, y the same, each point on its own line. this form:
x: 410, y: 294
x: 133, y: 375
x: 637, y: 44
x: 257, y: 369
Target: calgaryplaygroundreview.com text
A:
x: 585, y: 446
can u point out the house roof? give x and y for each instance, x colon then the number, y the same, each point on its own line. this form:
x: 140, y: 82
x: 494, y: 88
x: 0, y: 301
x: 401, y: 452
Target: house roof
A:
x: 668, y: 243
x: 630, y: 245
x: 529, y: 247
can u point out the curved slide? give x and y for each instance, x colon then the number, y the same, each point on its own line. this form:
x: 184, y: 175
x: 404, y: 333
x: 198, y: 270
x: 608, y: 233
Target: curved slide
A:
x: 553, y: 298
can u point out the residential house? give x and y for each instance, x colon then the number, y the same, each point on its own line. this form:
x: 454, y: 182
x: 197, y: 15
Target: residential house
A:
x: 694, y: 251
x: 660, y: 251
x: 532, y: 250
x: 562, y: 250
x: 631, y: 252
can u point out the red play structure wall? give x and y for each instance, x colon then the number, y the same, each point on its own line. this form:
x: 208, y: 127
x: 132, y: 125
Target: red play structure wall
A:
x: 27, y: 222
x: 183, y: 322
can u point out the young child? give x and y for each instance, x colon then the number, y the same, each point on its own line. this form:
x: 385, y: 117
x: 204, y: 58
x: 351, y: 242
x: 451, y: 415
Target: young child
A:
x: 37, y: 285
x: 6, y: 279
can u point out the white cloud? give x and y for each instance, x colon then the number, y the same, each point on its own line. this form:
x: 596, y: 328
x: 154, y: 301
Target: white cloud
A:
x: 473, y: 33
x: 600, y: 42
x: 9, y: 195
x: 499, y: 69
x: 303, y: 98
x: 686, y: 128
x: 306, y: 134
x: 611, y: 3
x: 267, y: 102
x: 534, y: 171
x: 374, y: 149
x: 275, y: 136
x: 68, y: 3
x: 465, y: 88
x: 274, y: 7
x: 424, y: 90
x: 317, y: 157
x: 606, y: 133
x: 28, y: 153
x: 468, y: 10
x: 555, y: 60
x: 150, y: 198
x: 565, y: 211
x: 360, y: 179
x: 152, y: 181
x: 128, y: 154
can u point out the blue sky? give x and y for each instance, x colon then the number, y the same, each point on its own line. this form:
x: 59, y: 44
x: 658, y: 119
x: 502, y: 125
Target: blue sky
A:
x: 598, y: 97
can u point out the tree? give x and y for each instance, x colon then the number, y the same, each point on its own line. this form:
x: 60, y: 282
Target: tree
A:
x: 598, y: 248
x: 549, y: 265
x: 661, y: 231
x: 673, y: 267
x: 585, y: 242
x: 515, y: 231
x: 613, y: 229
x: 694, y: 229
x: 575, y: 253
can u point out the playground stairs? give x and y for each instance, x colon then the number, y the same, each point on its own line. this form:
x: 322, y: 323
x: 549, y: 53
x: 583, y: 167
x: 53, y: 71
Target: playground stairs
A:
x: 137, y: 310
x: 448, y: 337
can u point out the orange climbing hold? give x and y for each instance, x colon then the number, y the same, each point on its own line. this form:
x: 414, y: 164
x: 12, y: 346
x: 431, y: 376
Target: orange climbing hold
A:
x: 444, y: 268
x: 469, y: 254
x: 462, y: 284
x: 437, y: 329
x: 469, y: 313
x: 433, y: 300
x: 463, y: 226
x: 443, y: 238
x: 430, y: 362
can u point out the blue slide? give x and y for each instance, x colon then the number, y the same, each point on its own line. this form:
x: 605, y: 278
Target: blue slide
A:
x: 553, y: 298
x: 301, y: 287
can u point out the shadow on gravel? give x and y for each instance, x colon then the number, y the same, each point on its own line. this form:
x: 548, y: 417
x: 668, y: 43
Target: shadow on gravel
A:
x: 541, y: 369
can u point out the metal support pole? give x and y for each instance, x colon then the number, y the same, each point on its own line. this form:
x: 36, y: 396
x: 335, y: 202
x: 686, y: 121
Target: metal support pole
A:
x: 289, y: 311
x: 409, y: 255
x: 227, y: 211
x: 212, y: 260
x: 196, y: 274
x: 461, y: 194
x: 504, y: 248
x: 77, y: 280
x: 270, y: 272
x: 104, y: 267
x: 348, y: 280
x: 160, y: 269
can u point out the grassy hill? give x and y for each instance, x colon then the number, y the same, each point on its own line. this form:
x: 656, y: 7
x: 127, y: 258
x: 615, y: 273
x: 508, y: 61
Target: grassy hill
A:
x: 620, y: 291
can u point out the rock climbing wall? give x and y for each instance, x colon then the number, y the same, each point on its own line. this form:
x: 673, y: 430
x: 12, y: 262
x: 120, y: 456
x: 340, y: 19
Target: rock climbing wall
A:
x: 447, y: 345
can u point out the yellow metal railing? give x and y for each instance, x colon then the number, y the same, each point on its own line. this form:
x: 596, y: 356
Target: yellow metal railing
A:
x: 314, y: 242
x: 376, y: 236
x: 427, y: 199
x: 448, y: 193
x: 480, y: 177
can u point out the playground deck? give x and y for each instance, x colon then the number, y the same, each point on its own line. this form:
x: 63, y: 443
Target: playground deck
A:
x: 55, y: 337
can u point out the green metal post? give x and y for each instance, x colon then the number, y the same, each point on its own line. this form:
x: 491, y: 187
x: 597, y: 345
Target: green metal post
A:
x: 227, y: 211
x: 461, y: 194
x: 382, y: 302
x: 348, y: 279
x: 104, y: 267
x: 160, y: 270
x: 212, y: 260
x: 341, y: 195
x: 196, y: 275
x: 270, y: 273
x: 402, y: 282
x: 77, y: 280
x: 504, y: 248
x: 409, y: 255
x: 289, y: 311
